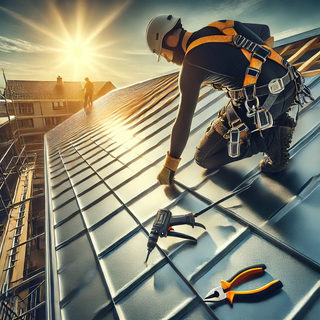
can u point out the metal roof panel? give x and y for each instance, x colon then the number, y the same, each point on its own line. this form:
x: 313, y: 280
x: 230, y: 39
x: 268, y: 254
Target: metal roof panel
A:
x: 68, y: 229
x: 296, y: 277
x: 101, y: 209
x: 64, y: 212
x: 103, y: 197
x: 165, y: 286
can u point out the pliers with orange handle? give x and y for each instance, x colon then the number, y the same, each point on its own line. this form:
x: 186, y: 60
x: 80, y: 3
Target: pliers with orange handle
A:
x: 222, y: 292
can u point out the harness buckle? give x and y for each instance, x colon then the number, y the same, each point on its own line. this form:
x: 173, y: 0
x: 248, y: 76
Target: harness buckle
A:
x: 234, y: 143
x: 238, y: 40
x: 261, y: 53
x: 263, y: 119
x: 276, y: 86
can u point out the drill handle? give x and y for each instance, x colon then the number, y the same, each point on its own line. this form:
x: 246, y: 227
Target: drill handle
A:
x: 182, y: 219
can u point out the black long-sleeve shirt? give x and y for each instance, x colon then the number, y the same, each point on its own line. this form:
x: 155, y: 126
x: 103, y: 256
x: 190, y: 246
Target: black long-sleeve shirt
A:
x: 220, y: 64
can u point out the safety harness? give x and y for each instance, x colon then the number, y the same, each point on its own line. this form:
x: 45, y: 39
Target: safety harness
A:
x: 256, y: 54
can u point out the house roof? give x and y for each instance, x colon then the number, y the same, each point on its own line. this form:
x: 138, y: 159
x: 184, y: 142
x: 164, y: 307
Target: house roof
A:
x: 49, y: 90
x: 44, y: 90
x: 102, y: 197
x: 98, y: 85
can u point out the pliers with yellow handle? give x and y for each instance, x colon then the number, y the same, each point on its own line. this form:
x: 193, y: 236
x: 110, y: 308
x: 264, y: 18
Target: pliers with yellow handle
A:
x: 222, y: 292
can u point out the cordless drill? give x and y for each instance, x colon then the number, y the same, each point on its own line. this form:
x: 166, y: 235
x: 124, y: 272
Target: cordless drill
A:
x: 162, y: 227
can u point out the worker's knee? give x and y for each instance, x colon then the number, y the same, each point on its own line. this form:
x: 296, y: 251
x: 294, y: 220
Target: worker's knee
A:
x: 204, y: 148
x: 199, y: 158
x: 208, y: 146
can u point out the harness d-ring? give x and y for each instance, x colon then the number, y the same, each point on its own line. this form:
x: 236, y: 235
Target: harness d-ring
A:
x: 251, y: 110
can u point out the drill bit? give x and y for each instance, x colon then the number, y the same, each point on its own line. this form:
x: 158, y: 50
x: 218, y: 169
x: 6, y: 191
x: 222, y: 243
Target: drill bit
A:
x: 149, y: 251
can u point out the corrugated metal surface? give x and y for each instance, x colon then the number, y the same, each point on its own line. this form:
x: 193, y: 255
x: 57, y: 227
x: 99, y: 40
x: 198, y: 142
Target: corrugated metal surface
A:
x: 102, y: 198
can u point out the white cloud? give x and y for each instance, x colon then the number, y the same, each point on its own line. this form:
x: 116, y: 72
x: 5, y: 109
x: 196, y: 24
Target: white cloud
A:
x: 20, y: 46
x: 21, y: 71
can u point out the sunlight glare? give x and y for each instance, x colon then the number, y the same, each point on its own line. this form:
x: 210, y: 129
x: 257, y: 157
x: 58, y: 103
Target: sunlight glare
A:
x: 77, y: 52
x: 77, y: 49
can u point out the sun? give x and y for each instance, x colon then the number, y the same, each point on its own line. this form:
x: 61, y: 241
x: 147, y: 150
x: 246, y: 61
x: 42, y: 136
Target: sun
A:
x: 76, y: 51
x: 77, y: 56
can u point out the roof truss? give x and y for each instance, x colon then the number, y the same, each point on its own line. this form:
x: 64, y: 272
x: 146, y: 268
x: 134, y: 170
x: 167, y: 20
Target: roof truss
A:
x: 304, y: 55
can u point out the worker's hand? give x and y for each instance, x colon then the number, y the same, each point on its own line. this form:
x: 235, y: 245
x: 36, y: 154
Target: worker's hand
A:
x: 166, y: 176
x: 169, y: 168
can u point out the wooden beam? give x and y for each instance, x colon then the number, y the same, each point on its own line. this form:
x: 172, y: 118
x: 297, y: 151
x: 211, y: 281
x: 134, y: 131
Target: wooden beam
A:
x: 311, y: 73
x: 17, y: 274
x: 291, y: 49
x: 20, y: 202
x: 270, y: 42
x: 284, y: 50
x: 27, y: 241
x: 297, y: 65
x: 310, y: 62
x: 302, y: 50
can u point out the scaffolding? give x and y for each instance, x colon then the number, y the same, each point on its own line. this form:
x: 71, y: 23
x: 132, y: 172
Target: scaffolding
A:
x: 12, y: 151
x: 21, y: 287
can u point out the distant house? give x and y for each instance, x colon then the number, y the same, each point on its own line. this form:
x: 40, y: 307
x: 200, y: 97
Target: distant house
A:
x: 102, y: 88
x: 39, y: 106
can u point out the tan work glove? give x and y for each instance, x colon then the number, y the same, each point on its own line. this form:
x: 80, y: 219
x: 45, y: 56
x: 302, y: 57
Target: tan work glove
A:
x: 169, y: 168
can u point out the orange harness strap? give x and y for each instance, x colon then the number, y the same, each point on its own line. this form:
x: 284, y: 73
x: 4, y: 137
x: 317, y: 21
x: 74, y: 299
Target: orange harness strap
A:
x: 256, y: 54
x: 225, y: 27
x: 209, y: 39
x: 229, y: 34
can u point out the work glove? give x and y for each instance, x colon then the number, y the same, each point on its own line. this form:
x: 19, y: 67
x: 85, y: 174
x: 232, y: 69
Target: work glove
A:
x: 169, y: 168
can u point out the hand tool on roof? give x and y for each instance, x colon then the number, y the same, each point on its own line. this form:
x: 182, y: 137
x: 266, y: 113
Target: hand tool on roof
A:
x: 164, y: 221
x: 163, y: 224
x: 223, y: 291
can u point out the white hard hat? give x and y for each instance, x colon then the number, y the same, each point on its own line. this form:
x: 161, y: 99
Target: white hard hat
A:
x: 157, y: 28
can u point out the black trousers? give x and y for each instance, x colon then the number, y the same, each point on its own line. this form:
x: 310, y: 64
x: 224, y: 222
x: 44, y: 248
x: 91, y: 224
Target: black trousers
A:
x: 212, y: 150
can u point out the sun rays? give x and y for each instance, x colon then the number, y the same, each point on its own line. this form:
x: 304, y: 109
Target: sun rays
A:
x: 74, y: 48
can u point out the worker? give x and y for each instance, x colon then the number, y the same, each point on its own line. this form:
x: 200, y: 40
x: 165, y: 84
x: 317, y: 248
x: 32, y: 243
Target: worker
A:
x: 237, y: 58
x: 88, y: 88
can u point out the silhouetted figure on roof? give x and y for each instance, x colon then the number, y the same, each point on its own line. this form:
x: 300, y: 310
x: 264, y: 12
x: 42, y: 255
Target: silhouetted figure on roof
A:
x: 237, y: 58
x: 88, y: 92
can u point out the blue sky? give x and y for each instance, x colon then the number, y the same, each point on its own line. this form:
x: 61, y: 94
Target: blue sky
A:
x: 105, y: 40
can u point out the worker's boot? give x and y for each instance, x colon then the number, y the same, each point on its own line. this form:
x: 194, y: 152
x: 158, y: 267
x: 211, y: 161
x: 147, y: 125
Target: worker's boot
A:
x: 280, y: 138
x: 285, y: 120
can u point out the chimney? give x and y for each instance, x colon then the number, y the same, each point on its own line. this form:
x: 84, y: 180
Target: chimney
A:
x: 59, y: 81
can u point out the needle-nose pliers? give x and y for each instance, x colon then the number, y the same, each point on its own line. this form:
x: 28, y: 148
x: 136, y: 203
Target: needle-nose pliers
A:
x: 222, y: 292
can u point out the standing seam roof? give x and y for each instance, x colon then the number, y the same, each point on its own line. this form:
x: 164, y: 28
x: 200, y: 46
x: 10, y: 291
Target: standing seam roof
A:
x: 102, y: 197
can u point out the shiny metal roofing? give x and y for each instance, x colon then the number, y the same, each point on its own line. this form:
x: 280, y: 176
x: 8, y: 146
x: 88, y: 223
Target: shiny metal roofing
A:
x: 102, y: 197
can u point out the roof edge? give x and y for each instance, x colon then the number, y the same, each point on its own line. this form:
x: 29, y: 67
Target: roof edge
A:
x: 297, y: 37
